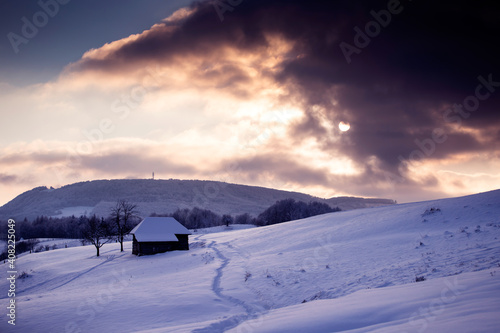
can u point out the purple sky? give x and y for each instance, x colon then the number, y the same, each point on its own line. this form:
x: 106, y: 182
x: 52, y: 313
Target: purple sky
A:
x: 253, y: 92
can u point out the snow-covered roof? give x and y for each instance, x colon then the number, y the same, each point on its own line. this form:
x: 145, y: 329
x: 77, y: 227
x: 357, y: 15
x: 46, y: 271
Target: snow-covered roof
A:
x: 159, y: 229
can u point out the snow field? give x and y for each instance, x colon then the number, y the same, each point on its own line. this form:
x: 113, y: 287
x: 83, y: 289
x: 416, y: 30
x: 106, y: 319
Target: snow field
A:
x: 466, y: 303
x: 351, y: 271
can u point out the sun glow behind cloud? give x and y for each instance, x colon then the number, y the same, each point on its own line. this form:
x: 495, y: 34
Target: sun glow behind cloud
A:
x: 189, y: 96
x: 344, y: 127
x: 195, y: 121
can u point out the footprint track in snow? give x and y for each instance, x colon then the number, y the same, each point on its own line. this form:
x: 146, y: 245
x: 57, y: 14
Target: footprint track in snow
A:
x: 231, y: 322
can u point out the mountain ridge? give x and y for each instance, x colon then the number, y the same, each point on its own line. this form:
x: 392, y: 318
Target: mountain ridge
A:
x: 160, y: 196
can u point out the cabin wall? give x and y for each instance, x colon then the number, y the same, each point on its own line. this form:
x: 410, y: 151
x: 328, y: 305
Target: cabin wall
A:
x: 183, y: 243
x: 147, y: 248
x: 135, y: 246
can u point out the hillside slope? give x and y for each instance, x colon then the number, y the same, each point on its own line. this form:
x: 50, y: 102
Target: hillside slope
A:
x: 352, y: 271
x: 159, y: 196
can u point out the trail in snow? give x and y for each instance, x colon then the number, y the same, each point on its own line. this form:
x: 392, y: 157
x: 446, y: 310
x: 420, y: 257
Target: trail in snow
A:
x: 251, y: 312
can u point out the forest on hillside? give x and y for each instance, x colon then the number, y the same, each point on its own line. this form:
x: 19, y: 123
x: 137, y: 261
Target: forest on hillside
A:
x: 122, y: 218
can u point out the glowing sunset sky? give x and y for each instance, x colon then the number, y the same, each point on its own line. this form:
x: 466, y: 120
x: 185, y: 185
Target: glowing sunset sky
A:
x: 253, y: 92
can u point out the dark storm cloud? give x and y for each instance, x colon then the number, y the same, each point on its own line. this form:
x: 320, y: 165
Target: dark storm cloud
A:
x: 393, y: 90
x: 11, y: 179
x: 33, y: 157
x: 279, y: 167
x: 132, y: 162
x: 137, y: 160
x: 8, y: 179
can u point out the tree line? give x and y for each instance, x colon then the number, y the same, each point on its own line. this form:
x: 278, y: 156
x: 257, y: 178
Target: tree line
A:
x: 90, y: 229
x: 123, y: 217
x: 281, y: 211
x: 289, y: 210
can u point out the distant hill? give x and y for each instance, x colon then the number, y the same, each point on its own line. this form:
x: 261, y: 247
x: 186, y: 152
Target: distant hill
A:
x: 160, y: 196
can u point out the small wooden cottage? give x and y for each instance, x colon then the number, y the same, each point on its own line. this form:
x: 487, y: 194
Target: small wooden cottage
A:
x: 159, y: 234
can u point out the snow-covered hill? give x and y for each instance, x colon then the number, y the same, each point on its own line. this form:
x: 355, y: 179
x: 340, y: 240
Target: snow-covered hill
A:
x: 352, y: 271
x: 159, y: 196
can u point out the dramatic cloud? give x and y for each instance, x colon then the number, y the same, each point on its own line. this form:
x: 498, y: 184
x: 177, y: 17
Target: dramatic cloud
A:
x: 265, y: 89
x: 427, y: 58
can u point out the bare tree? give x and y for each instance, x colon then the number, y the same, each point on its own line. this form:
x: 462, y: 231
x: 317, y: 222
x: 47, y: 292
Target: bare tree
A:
x: 98, y: 232
x: 122, y: 215
x: 115, y: 217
